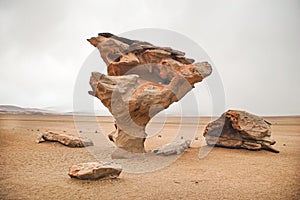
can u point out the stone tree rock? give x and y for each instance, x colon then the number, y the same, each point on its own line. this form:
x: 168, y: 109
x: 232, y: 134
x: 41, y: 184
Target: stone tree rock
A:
x: 240, y: 129
x: 142, y: 80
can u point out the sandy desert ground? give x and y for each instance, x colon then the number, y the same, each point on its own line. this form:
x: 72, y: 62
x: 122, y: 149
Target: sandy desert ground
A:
x: 39, y: 171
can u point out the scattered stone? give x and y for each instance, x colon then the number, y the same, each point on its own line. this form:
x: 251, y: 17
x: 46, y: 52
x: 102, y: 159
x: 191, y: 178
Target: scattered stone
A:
x: 159, y: 136
x: 196, y: 138
x: 173, y: 148
x: 95, y: 170
x: 67, y: 140
x: 240, y: 129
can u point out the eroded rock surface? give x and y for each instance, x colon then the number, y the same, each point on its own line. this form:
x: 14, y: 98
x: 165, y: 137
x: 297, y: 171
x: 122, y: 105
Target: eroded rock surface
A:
x: 240, y: 129
x: 65, y: 139
x: 142, y: 80
x: 95, y: 170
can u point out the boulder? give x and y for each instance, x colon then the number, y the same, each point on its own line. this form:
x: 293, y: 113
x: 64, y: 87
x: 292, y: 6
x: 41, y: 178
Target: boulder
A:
x: 174, y: 148
x: 142, y: 80
x: 240, y: 129
x: 65, y: 139
x: 95, y: 170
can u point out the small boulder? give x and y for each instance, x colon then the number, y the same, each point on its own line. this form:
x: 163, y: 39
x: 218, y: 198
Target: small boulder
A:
x: 68, y: 140
x: 174, y: 148
x: 240, y: 129
x: 95, y: 170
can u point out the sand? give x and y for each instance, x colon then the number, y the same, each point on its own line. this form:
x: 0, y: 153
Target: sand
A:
x: 39, y: 171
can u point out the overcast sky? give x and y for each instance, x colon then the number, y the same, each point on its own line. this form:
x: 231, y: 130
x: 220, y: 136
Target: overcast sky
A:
x: 254, y: 45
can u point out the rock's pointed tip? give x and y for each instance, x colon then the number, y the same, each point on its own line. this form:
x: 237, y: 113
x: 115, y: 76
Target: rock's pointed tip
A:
x: 92, y: 93
x: 93, y: 41
x: 204, y: 68
x: 96, y: 75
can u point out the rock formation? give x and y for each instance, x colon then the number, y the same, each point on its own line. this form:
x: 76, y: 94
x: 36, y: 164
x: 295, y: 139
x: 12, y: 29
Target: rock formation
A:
x: 142, y: 80
x: 68, y: 140
x: 240, y: 129
x: 95, y: 170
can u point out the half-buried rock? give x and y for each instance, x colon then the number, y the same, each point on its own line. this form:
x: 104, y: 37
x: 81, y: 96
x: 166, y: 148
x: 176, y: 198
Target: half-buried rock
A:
x: 240, y: 129
x: 173, y: 148
x: 65, y: 139
x: 95, y: 170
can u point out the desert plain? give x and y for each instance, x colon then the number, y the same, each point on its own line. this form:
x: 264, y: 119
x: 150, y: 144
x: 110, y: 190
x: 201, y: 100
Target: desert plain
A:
x: 40, y: 171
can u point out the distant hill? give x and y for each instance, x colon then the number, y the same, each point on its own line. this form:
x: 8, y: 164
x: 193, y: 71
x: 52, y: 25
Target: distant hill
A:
x: 9, y: 109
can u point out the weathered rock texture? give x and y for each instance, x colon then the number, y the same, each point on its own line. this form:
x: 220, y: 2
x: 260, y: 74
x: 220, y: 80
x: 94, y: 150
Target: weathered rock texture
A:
x: 173, y: 148
x: 240, y: 129
x: 95, y: 170
x: 68, y: 140
x: 142, y: 80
